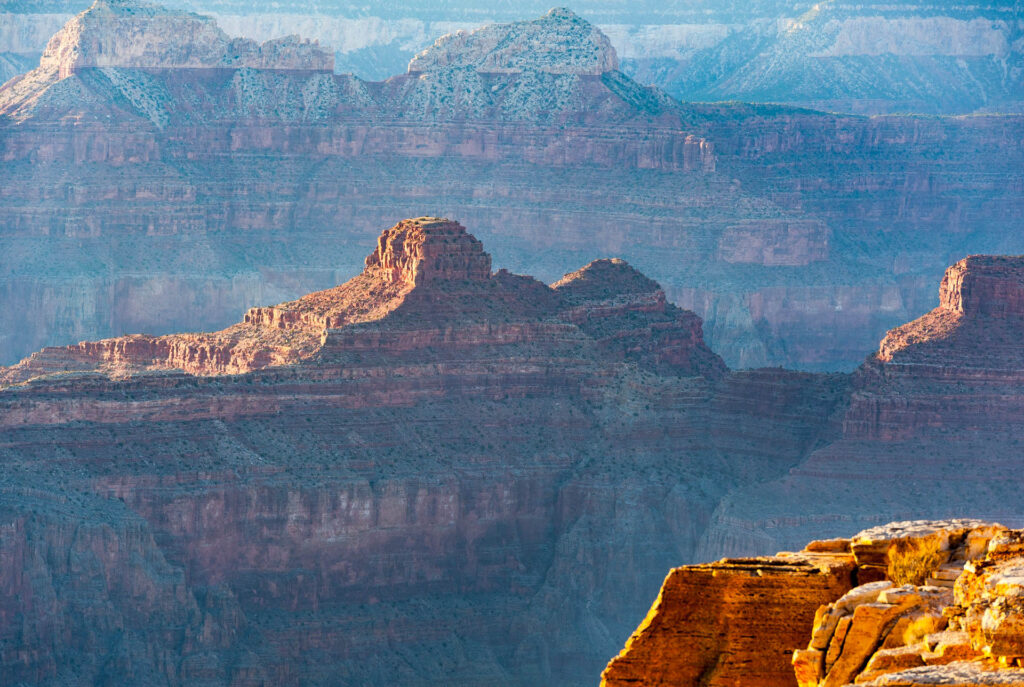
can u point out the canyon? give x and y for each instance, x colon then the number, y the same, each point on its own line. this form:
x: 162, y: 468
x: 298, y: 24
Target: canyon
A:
x: 436, y: 472
x: 375, y: 459
x: 375, y: 509
x: 187, y: 176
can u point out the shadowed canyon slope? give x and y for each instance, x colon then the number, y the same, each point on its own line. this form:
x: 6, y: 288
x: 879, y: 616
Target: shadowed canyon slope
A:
x: 225, y: 173
x: 437, y: 473
x: 929, y: 421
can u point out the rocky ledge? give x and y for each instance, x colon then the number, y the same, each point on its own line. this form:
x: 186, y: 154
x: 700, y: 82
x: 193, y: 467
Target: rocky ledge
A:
x: 910, y: 604
x: 427, y: 280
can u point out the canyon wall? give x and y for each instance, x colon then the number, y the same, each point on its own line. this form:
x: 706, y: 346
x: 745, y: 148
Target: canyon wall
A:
x: 376, y: 509
x: 233, y: 186
x: 432, y: 446
x: 942, y: 393
x: 862, y: 57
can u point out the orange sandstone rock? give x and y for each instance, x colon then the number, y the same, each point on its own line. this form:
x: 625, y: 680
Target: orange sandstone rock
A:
x: 731, y: 622
x: 427, y: 283
x: 728, y: 623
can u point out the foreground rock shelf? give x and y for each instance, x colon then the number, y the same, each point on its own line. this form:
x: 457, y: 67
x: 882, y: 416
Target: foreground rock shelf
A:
x: 906, y: 604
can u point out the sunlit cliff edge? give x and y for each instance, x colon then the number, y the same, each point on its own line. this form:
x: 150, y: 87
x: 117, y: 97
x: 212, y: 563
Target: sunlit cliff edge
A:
x: 907, y: 604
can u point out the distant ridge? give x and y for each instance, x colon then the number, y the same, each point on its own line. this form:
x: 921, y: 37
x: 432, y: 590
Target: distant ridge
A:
x: 136, y: 33
x: 425, y: 273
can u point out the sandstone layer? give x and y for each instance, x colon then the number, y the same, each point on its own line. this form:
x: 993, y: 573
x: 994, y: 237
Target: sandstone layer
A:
x: 347, y: 481
x: 909, y: 603
x: 428, y: 282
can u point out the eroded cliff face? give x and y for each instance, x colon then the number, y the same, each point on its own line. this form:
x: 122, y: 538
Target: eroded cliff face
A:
x: 943, y: 392
x: 909, y: 603
x: 135, y: 33
x: 236, y: 185
x: 464, y: 450
x: 467, y: 448
x: 731, y: 622
x: 539, y: 45
x: 428, y: 282
x: 871, y: 57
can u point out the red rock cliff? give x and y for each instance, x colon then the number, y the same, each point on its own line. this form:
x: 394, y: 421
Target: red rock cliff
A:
x: 980, y: 313
x: 762, y: 220
x: 866, y: 608
x: 445, y: 491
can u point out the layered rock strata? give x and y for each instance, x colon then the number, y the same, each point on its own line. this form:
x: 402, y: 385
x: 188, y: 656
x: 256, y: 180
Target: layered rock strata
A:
x: 429, y: 279
x: 903, y: 620
x: 981, y: 311
x: 943, y: 392
x: 127, y: 182
x: 558, y: 43
x: 700, y: 629
x: 451, y: 445
x: 909, y: 603
x: 139, y: 34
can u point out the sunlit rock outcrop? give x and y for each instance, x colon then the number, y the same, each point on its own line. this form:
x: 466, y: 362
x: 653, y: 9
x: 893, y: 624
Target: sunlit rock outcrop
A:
x: 879, y: 608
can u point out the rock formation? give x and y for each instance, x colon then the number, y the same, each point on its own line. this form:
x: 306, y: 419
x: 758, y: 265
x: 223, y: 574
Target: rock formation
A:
x: 137, y: 34
x: 980, y: 314
x: 730, y: 622
x: 557, y: 43
x: 910, y: 603
x: 927, y: 421
x: 427, y: 493
x: 432, y: 446
x: 260, y: 178
x: 427, y: 273
x: 942, y: 393
x: 870, y: 58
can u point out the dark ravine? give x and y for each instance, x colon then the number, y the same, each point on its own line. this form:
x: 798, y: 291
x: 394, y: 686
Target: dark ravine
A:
x: 799, y: 237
